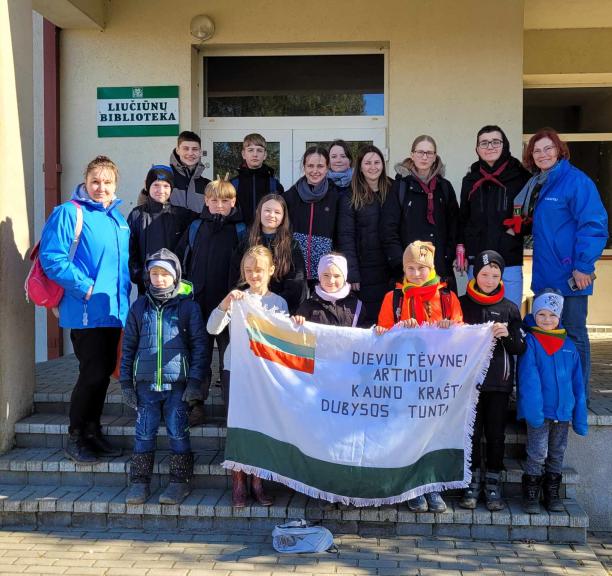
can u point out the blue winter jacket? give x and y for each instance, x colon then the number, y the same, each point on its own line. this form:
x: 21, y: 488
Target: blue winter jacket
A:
x: 570, y: 229
x: 101, y: 260
x: 164, y: 344
x: 550, y: 386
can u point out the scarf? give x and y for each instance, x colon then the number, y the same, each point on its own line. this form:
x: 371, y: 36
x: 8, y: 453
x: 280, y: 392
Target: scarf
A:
x: 162, y: 295
x: 312, y: 194
x: 488, y: 177
x: 341, y: 179
x: 417, y: 295
x: 333, y: 297
x: 429, y: 189
x: 551, y: 340
x: 475, y: 294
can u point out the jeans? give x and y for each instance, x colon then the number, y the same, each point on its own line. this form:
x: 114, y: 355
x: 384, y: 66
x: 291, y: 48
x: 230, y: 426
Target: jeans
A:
x: 545, y: 447
x: 151, y: 404
x: 513, y: 283
x: 574, y: 318
x: 491, y: 413
x: 96, y: 351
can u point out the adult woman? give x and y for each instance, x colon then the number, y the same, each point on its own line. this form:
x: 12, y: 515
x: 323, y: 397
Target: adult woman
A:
x: 96, y: 299
x: 312, y: 204
x: 340, y: 160
x: 359, y: 237
x: 423, y: 206
x: 570, y: 229
x: 487, y: 194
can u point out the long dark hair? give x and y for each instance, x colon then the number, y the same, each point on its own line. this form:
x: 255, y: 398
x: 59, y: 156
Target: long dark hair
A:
x: 362, y: 193
x: 281, y: 245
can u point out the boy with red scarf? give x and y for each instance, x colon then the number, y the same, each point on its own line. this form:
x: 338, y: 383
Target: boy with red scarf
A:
x: 421, y: 299
x: 485, y: 301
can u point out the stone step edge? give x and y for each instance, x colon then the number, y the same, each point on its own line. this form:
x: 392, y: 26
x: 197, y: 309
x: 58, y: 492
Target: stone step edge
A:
x: 217, y: 503
x: 111, y: 398
x: 207, y: 463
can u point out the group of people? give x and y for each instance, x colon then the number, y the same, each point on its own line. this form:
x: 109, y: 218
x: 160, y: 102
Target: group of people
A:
x: 346, y: 246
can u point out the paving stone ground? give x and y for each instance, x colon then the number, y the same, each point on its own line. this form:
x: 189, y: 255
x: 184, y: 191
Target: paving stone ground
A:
x: 124, y: 553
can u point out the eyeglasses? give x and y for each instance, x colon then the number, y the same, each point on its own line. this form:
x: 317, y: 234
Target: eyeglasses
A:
x: 497, y: 143
x: 544, y: 151
x: 423, y: 153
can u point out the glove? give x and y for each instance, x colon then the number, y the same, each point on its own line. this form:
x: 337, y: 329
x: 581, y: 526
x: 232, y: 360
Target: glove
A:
x: 129, y: 395
x: 193, y: 391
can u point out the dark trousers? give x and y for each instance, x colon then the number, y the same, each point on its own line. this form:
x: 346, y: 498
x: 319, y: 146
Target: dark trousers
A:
x: 96, y: 351
x: 491, y: 413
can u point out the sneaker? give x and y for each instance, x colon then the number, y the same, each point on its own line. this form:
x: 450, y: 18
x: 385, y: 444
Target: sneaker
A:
x: 99, y: 444
x: 77, y: 449
x: 418, y: 504
x: 435, y: 502
x: 493, y: 492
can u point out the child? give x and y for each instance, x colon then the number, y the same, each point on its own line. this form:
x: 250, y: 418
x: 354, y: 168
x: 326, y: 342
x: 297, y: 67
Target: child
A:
x: 257, y: 269
x: 155, y: 224
x: 186, y: 162
x: 271, y: 228
x: 421, y: 299
x: 161, y: 370
x: 255, y: 179
x: 550, y: 395
x: 207, y: 248
x: 333, y: 302
x: 485, y: 302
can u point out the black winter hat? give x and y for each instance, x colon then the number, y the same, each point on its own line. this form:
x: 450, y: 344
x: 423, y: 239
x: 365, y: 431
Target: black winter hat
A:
x: 159, y: 172
x: 488, y: 257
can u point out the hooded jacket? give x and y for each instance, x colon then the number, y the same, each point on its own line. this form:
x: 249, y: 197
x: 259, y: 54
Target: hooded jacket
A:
x: 570, y: 229
x: 252, y: 184
x: 100, y: 260
x: 164, y: 342
x: 189, y: 185
x: 483, y: 212
x: 405, y: 223
x: 154, y: 226
x: 550, y: 386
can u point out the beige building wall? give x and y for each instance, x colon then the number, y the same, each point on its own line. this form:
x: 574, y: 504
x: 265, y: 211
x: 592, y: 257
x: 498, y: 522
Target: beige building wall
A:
x: 450, y: 71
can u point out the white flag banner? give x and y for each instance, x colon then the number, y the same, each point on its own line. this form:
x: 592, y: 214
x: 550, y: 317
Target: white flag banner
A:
x: 348, y: 416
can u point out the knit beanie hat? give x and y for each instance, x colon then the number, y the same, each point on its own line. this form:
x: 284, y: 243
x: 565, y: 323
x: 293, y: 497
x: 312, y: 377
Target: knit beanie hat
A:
x: 159, y: 172
x: 488, y: 257
x: 549, y: 299
x: 165, y: 264
x: 421, y: 253
x: 337, y: 260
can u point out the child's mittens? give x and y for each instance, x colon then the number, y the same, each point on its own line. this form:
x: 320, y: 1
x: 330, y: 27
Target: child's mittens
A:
x: 129, y: 395
x: 193, y: 391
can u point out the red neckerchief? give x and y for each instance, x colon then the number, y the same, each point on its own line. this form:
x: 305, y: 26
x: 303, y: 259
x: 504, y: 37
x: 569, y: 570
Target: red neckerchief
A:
x: 551, y: 340
x: 487, y: 299
x: 416, y: 296
x: 429, y: 190
x: 488, y: 177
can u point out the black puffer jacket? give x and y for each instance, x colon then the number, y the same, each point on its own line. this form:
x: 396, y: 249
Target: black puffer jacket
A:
x: 404, y: 224
x: 251, y: 186
x: 340, y: 313
x: 292, y: 287
x: 500, y: 376
x: 359, y: 239
x: 154, y: 226
x: 482, y: 214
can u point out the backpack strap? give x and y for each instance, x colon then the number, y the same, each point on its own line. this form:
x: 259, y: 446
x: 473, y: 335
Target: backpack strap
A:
x: 272, y: 185
x: 357, y: 313
x: 446, y: 303
x: 241, y: 230
x: 193, y: 230
x: 77, y: 230
x: 402, y: 193
x: 398, y: 301
x: 235, y: 181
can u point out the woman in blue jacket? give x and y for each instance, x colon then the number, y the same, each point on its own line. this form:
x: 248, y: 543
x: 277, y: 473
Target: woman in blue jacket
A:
x: 96, y: 299
x: 570, y: 230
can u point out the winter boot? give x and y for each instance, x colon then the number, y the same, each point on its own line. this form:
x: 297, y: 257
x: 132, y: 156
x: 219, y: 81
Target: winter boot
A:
x: 471, y: 494
x: 197, y: 416
x: 239, y: 489
x: 532, y: 487
x: 181, y: 471
x: 141, y: 470
x: 98, y: 443
x: 493, y: 492
x: 435, y: 502
x: 552, y: 501
x: 418, y: 504
x: 257, y: 491
x: 78, y: 450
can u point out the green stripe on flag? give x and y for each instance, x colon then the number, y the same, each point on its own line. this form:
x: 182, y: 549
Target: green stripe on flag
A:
x: 126, y: 92
x: 262, y: 451
x: 289, y: 347
x: 156, y: 130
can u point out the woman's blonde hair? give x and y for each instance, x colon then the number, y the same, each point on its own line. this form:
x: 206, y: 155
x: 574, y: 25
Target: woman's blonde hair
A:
x: 258, y: 251
x: 220, y: 188
x: 104, y: 163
